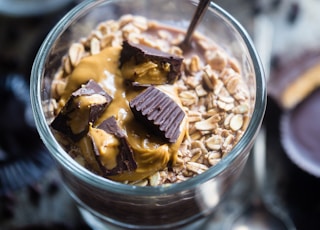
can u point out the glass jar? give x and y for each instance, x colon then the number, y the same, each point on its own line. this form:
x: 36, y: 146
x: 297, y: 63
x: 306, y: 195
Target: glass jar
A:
x: 108, y: 204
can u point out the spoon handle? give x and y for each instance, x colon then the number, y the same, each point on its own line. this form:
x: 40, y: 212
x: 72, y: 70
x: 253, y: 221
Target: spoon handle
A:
x: 201, y: 9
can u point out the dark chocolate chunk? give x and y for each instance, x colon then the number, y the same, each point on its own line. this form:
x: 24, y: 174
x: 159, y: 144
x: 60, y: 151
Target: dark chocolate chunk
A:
x: 125, y: 158
x: 110, y: 126
x: 141, y: 54
x: 73, y: 113
x: 158, y: 112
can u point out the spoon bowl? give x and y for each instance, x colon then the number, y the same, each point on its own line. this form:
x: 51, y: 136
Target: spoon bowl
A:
x: 197, y: 16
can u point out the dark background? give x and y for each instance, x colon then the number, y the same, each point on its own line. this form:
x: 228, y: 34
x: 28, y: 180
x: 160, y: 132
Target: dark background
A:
x: 42, y: 203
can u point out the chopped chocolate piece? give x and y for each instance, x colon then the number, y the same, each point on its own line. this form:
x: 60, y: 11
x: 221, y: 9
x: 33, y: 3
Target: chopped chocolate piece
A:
x: 125, y: 158
x: 159, y: 112
x: 110, y: 125
x: 85, y: 105
x: 150, y: 58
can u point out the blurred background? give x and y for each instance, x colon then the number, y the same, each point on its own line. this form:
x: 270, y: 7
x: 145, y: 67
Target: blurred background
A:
x: 31, y: 193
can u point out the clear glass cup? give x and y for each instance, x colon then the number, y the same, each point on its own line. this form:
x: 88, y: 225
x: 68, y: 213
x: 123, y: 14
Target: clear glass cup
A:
x: 108, y: 204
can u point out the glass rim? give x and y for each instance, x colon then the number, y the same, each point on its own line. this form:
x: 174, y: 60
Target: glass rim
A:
x: 84, y: 174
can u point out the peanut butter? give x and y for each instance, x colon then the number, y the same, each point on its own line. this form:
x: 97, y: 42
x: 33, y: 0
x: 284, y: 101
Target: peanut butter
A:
x: 151, y: 152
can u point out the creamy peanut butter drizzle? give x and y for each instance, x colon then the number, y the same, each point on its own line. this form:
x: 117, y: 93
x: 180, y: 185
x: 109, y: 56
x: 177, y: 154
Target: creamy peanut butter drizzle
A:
x: 150, y: 152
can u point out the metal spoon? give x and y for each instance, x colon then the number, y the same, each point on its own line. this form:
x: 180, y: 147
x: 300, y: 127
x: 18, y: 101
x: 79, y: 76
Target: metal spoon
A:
x: 198, y: 15
x: 258, y: 214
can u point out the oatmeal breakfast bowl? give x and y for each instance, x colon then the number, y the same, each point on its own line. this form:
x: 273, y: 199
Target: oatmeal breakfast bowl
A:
x: 147, y: 134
